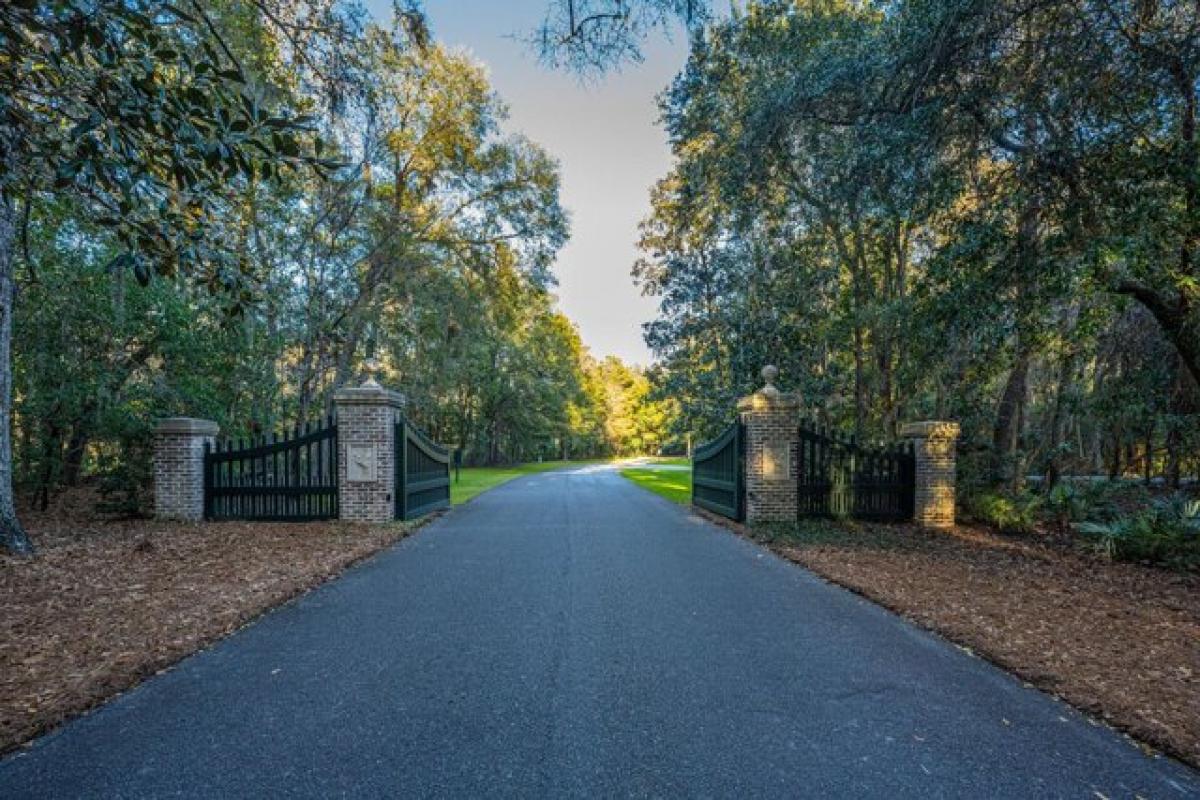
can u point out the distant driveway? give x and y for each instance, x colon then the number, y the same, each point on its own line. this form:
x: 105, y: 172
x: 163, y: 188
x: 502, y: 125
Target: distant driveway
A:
x: 568, y: 635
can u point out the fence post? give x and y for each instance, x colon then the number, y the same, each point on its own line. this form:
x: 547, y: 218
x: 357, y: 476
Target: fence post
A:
x: 179, y: 467
x: 366, y: 417
x: 935, y: 455
x: 771, y: 422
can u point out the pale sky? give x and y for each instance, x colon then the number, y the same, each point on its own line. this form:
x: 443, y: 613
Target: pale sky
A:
x: 608, y: 143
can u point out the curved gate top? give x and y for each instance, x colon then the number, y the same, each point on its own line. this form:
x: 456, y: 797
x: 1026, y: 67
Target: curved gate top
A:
x: 422, y: 472
x: 719, y: 474
x: 296, y: 477
x: 274, y: 476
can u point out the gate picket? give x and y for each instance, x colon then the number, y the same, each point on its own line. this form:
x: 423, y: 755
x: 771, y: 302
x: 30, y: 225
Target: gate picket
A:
x: 261, y: 478
x: 837, y: 477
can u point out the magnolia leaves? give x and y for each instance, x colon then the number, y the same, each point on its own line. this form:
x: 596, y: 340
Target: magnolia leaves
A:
x: 132, y: 109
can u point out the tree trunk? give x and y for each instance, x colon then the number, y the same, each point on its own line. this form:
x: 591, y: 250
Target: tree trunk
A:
x: 1173, y: 458
x: 76, y: 450
x: 1175, y: 316
x: 51, y: 457
x: 860, y: 384
x: 1174, y: 436
x: 1010, y: 414
x: 12, y: 536
x: 1148, y: 462
x: 1066, y: 379
x: 1114, y: 465
x: 1006, y: 431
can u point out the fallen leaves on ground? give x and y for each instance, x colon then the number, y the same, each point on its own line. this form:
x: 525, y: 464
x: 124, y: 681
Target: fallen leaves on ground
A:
x: 106, y: 604
x: 1119, y: 641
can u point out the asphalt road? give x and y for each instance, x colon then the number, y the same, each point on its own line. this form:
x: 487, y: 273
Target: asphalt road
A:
x: 571, y: 635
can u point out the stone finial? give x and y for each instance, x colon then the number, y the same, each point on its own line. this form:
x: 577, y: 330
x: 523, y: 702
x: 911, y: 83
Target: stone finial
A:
x: 769, y: 373
x: 371, y: 367
x: 769, y: 395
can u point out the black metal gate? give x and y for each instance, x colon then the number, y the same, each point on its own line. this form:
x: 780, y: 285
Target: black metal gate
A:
x: 274, y: 477
x: 719, y: 474
x: 839, y: 478
x: 422, y: 473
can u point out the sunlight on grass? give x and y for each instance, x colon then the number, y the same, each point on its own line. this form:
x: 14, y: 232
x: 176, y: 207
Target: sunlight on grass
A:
x: 673, y: 484
x: 475, y: 480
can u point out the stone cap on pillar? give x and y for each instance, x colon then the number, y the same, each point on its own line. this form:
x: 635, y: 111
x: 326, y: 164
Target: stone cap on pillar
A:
x: 769, y: 395
x: 930, y: 429
x: 367, y: 395
x: 188, y: 426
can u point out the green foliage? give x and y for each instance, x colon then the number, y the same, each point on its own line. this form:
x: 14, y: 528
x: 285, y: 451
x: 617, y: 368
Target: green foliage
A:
x: 927, y: 210
x: 125, y: 473
x: 1066, y: 503
x: 421, y: 241
x: 635, y: 423
x: 1167, y: 533
x: 1071, y: 502
x: 1008, y: 513
x: 134, y: 111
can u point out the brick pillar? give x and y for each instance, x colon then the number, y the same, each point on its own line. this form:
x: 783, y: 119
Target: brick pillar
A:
x: 179, y: 467
x: 934, y: 447
x: 366, y: 417
x: 770, y: 419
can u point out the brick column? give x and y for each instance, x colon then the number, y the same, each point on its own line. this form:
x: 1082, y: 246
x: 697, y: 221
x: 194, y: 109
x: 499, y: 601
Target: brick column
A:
x: 366, y: 417
x: 770, y: 419
x: 179, y: 467
x: 935, y: 451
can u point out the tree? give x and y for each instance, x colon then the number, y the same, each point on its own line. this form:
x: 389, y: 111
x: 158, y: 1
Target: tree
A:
x: 592, y: 36
x: 428, y: 251
x: 928, y: 208
x: 1034, y: 85
x: 300, y: 189
x: 132, y: 110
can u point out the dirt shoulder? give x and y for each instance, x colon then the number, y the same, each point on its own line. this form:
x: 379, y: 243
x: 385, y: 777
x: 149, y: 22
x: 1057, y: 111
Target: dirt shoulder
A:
x: 106, y: 604
x: 1119, y: 641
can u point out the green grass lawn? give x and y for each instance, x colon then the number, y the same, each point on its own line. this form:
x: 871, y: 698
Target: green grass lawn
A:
x: 674, y: 461
x: 476, y: 480
x: 673, y: 484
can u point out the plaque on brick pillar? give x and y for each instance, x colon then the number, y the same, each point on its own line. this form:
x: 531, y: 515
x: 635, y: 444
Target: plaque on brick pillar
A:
x: 361, y: 464
x: 366, y: 417
x: 776, y: 461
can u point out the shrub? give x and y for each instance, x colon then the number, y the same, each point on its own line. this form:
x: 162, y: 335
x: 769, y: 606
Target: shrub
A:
x: 1009, y: 513
x: 1071, y: 502
x: 1166, y: 533
x: 126, y: 473
x: 1066, y: 503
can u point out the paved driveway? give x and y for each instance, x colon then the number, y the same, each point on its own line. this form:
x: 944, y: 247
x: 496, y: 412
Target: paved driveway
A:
x: 569, y: 635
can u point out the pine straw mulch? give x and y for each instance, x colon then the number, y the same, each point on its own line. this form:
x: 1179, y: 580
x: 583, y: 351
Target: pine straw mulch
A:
x: 106, y: 604
x: 1118, y: 641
